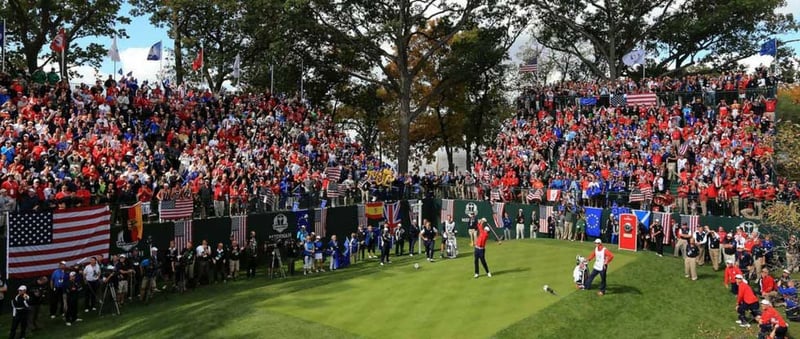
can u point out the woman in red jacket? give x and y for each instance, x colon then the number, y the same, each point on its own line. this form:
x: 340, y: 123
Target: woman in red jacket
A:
x: 772, y: 324
x: 480, y: 247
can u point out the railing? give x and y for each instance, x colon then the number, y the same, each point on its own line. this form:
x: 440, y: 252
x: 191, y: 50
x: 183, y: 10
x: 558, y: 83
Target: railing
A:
x: 664, y: 98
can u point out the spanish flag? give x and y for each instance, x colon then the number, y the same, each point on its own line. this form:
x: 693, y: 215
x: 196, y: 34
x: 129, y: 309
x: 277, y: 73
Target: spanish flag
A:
x: 135, y: 225
x: 374, y: 210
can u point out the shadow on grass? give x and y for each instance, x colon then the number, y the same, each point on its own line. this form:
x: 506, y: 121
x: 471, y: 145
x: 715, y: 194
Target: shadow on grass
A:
x: 510, y: 271
x: 622, y: 289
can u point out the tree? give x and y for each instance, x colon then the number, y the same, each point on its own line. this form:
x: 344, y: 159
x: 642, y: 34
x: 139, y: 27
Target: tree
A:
x: 224, y: 29
x: 364, y: 108
x: 695, y: 31
x: 32, y: 25
x: 372, y: 41
x: 787, y: 149
x: 782, y: 220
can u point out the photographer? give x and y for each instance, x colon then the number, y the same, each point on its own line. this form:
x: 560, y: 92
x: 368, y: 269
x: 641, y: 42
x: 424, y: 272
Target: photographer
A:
x: 123, y: 273
x: 187, y: 259
x: 148, y: 269
x: 20, y: 308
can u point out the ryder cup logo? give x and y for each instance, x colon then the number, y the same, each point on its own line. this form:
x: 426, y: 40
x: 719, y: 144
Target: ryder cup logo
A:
x: 749, y: 227
x: 471, y: 208
x: 280, y: 223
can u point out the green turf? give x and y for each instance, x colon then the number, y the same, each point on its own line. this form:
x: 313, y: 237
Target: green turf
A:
x: 647, y: 297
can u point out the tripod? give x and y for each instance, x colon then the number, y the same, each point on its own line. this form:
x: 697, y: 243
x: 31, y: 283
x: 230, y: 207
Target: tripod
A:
x: 276, y: 263
x: 108, y: 289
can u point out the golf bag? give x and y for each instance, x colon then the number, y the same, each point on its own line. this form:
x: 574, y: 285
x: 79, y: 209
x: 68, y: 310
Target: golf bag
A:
x: 451, y: 246
x: 580, y: 272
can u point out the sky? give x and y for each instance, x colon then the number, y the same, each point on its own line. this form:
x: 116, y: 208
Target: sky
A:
x: 142, y: 34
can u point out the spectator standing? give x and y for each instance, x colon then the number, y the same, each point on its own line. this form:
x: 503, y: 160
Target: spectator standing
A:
x: 20, y: 309
x: 57, y: 283
x: 520, y: 234
x: 690, y: 260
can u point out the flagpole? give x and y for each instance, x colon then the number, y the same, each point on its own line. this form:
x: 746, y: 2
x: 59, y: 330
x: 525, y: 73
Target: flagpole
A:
x: 272, y: 79
x: 4, y: 51
x: 302, y: 75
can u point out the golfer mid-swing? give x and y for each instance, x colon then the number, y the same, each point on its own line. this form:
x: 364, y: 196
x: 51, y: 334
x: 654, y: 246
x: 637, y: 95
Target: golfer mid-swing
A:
x: 602, y: 257
x: 480, y: 247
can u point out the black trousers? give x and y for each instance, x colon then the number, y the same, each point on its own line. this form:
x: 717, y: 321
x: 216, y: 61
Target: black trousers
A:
x: 20, y: 320
x: 480, y: 255
x: 72, y: 307
x: 220, y: 271
x: 362, y: 248
x: 91, y: 294
x: 251, y: 267
x: 399, y: 247
x: 385, y: 249
x: 659, y: 245
x: 56, y: 300
x: 428, y: 248
x: 411, y: 243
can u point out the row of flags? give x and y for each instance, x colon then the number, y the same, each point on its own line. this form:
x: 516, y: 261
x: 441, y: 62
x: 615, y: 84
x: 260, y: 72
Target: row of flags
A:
x: 637, y: 57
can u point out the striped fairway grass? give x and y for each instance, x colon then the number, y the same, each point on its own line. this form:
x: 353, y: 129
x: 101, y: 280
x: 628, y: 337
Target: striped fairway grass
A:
x: 647, y: 297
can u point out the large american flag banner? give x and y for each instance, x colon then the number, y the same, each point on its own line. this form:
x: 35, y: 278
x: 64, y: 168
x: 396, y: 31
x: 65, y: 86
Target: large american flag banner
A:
x: 447, y: 209
x: 666, y: 224
x: 38, y: 241
x: 175, y: 209
x: 183, y: 232
x: 239, y: 229
x: 544, y: 212
x: 495, y: 195
x: 692, y: 220
x: 333, y: 173
x: 320, y: 221
x: 535, y: 195
x: 641, y: 99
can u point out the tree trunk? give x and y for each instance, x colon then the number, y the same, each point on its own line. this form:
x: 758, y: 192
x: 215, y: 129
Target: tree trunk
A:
x: 468, y: 148
x: 405, y: 128
x: 31, y: 60
x: 448, y: 150
x: 178, y: 46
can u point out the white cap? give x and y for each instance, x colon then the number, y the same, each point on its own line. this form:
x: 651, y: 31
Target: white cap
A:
x: 766, y: 302
x: 739, y: 276
x: 729, y: 261
x: 22, y: 288
x: 487, y: 229
x: 72, y: 274
x: 597, y: 241
x: 153, y: 249
x: 63, y: 263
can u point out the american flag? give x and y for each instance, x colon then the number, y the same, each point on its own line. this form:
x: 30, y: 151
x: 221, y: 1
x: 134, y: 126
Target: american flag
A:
x: 544, y: 212
x: 495, y: 195
x: 320, y: 221
x: 497, y: 213
x: 175, y: 209
x: 530, y: 66
x: 647, y: 191
x: 37, y: 241
x: 684, y: 148
x: 269, y: 199
x: 333, y: 173
x: 333, y: 190
x: 447, y: 209
x: 692, y: 220
x: 239, y: 229
x: 183, y: 232
x: 666, y: 224
x: 362, y: 215
x: 641, y: 99
x: 535, y: 195
x: 616, y: 100
x: 391, y: 213
x: 636, y: 196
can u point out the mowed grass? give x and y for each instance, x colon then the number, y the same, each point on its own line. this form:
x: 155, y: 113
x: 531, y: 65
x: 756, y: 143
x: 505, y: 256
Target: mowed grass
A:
x: 647, y: 297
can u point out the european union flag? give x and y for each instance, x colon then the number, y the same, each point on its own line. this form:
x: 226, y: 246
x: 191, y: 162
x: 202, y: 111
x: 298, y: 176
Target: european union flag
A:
x: 769, y: 48
x: 593, y: 217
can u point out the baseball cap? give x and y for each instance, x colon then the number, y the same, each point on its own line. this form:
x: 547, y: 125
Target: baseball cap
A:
x: 729, y: 262
x: 598, y: 241
x: 122, y: 256
x: 22, y: 288
x: 739, y: 276
x: 787, y: 272
x: 72, y: 274
x: 765, y: 302
x: 63, y: 263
